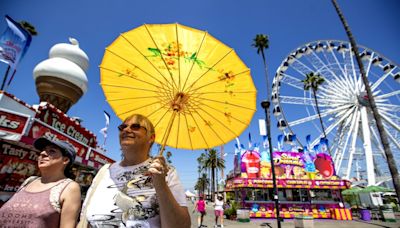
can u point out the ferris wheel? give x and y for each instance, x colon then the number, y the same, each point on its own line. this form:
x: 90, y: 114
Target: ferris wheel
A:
x: 343, y: 104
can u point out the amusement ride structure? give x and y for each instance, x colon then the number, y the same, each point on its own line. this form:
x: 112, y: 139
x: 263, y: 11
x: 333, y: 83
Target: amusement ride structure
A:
x: 343, y: 103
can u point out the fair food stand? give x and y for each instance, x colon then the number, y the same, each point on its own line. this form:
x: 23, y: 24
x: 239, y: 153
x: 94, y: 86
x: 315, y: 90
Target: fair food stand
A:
x: 307, y: 185
x: 21, y: 124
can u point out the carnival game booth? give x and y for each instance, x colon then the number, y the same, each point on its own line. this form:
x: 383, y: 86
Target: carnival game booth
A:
x: 307, y: 185
x: 21, y: 124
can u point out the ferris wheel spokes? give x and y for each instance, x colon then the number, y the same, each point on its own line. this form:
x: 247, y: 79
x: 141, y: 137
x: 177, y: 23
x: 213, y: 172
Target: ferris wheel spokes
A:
x: 390, y: 122
x: 311, y: 118
x: 344, y: 114
x: 353, y: 143
x: 387, y: 95
x: 297, y: 100
x: 342, y: 90
x: 367, y: 146
x: 347, y: 127
x: 379, y: 81
x: 292, y: 81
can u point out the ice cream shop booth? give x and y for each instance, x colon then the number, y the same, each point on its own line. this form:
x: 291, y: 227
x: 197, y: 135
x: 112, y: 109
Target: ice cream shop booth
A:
x: 60, y: 82
x: 21, y: 124
x: 306, y: 182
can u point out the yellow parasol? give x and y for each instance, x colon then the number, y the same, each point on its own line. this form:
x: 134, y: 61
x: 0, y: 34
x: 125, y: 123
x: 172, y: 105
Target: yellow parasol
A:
x: 195, y: 89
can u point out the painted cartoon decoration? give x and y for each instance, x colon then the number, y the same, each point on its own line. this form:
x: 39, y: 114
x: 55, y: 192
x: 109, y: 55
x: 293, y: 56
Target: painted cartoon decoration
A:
x: 251, y: 164
x: 265, y: 162
x: 323, y: 162
x: 310, y: 164
x: 285, y: 163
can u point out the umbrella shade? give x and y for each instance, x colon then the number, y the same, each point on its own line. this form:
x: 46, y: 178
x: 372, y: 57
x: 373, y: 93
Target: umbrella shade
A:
x: 376, y: 189
x: 195, y: 89
x: 189, y: 194
x: 351, y: 191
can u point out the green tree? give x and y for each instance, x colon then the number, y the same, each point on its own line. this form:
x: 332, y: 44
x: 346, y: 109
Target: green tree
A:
x: 382, y: 133
x: 213, y: 163
x: 313, y: 81
x: 202, y: 170
x: 261, y: 43
x: 200, y: 161
x: 202, y: 183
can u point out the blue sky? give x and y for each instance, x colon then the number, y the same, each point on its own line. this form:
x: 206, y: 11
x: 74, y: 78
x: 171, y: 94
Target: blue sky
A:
x: 289, y: 24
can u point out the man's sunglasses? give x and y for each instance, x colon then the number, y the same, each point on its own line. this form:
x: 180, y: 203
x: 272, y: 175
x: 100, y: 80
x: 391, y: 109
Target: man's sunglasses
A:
x: 134, y: 127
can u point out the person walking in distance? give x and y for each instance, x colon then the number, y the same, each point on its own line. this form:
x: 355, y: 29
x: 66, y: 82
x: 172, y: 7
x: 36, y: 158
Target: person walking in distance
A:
x: 219, y: 211
x: 200, y: 207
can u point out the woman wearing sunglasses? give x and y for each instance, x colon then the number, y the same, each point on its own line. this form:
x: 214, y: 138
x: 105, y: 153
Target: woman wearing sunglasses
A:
x: 138, y: 191
x: 51, y: 200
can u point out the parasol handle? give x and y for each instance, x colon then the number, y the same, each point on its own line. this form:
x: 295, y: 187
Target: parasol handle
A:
x: 166, y: 135
x: 176, y: 106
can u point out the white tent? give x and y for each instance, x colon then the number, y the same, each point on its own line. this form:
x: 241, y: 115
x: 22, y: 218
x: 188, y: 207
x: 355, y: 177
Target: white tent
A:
x: 189, y: 194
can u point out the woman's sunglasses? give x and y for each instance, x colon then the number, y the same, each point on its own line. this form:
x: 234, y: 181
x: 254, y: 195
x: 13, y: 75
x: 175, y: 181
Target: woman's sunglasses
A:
x: 134, y: 127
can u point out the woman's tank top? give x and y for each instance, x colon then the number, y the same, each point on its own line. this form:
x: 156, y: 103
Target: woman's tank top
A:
x: 33, y: 209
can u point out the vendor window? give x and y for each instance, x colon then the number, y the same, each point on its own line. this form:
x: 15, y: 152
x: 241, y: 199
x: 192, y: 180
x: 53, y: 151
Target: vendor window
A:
x: 300, y: 195
x: 322, y: 194
x: 259, y: 194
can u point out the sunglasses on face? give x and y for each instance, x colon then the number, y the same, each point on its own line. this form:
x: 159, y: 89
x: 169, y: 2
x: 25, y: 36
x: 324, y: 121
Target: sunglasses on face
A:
x: 51, y: 152
x: 134, y: 127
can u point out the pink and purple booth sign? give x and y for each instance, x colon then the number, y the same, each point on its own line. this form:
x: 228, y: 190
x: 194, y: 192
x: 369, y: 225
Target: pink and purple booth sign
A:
x: 288, y: 165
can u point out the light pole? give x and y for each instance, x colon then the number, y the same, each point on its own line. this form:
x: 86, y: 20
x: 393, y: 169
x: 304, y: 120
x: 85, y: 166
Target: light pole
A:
x: 265, y: 105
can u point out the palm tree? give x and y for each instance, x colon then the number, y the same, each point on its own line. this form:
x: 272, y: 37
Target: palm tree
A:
x: 201, y: 169
x: 200, y: 161
x: 202, y: 183
x: 212, y: 162
x: 261, y: 42
x: 313, y: 81
x: 382, y: 133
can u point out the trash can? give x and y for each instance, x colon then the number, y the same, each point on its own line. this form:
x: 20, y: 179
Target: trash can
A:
x: 388, y: 215
x: 302, y: 221
x: 365, y: 214
x: 243, y: 215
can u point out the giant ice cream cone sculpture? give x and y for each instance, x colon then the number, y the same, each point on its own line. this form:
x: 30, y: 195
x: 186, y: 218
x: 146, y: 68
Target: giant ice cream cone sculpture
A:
x: 61, y: 80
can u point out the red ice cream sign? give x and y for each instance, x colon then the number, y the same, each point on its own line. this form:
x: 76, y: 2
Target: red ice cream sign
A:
x: 61, y: 122
x: 12, y: 123
x: 38, y: 130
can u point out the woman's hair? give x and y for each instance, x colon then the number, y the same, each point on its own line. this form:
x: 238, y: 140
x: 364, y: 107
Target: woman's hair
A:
x: 68, y: 169
x: 143, y: 121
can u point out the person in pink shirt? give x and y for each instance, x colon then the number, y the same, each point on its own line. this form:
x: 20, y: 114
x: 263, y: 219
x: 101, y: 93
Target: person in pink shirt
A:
x: 200, y: 207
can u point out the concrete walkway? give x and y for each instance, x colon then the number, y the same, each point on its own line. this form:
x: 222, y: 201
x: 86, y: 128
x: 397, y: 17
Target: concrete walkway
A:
x: 209, y: 221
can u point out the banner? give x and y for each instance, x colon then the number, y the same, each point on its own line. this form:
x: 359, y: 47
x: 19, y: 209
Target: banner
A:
x: 97, y: 159
x: 38, y: 130
x: 104, y: 130
x: 288, y: 165
x: 62, y: 123
x: 14, y: 43
x: 12, y: 126
x: 16, y: 164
